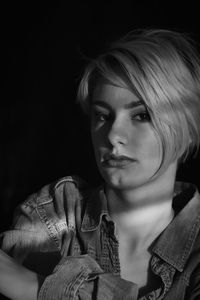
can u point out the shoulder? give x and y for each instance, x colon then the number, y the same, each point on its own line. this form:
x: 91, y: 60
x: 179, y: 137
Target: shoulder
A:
x: 54, y: 203
x: 68, y: 188
x: 41, y: 220
x: 51, y: 207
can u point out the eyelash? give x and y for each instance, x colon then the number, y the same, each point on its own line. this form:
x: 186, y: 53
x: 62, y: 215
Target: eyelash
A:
x: 145, y: 119
x: 99, y: 115
x: 103, y: 117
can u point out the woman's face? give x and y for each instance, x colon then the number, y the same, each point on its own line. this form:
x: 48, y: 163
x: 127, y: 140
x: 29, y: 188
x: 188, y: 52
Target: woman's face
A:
x: 127, y: 149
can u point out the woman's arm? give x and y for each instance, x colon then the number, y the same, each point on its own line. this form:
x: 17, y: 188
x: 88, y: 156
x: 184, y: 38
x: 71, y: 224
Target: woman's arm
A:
x: 17, y: 282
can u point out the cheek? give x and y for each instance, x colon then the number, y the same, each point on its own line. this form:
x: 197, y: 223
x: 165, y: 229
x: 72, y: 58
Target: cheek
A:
x: 147, y: 145
x: 96, y: 142
x: 154, y: 150
x: 97, y: 136
x: 93, y: 137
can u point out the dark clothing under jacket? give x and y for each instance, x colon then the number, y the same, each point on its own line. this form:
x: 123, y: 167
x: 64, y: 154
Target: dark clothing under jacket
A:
x: 65, y: 233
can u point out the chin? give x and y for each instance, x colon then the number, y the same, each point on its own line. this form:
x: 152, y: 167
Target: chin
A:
x: 123, y: 180
x: 118, y: 181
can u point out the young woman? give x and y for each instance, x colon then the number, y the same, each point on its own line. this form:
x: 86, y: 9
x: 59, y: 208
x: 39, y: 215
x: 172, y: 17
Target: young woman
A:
x: 137, y: 235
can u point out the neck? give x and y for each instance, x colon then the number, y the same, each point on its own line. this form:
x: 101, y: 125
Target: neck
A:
x: 142, y: 226
x: 142, y: 213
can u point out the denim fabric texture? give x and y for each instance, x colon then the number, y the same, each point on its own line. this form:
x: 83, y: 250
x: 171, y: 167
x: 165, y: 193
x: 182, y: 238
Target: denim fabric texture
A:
x: 82, y: 278
x: 65, y: 233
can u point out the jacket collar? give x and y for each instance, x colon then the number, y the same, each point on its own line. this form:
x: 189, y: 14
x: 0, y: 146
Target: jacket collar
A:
x: 175, y: 243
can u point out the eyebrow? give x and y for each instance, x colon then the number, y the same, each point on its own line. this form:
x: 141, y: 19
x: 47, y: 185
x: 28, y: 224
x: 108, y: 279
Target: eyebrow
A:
x: 130, y: 105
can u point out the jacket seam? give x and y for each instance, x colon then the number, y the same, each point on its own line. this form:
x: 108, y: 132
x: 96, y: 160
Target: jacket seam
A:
x: 65, y: 179
x: 50, y: 226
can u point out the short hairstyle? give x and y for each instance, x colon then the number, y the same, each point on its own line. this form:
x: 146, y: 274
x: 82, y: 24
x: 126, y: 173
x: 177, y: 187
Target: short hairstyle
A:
x: 162, y: 68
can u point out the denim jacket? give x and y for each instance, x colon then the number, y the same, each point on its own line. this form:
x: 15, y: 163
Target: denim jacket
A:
x: 65, y: 233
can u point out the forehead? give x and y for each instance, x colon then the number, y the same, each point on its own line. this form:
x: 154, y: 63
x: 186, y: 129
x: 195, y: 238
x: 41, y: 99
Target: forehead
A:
x: 115, y: 96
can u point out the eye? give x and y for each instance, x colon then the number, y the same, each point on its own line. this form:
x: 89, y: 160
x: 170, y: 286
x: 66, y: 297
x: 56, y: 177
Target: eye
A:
x: 141, y: 116
x: 99, y: 116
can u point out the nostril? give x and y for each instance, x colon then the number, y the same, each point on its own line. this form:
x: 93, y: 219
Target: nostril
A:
x: 117, y: 139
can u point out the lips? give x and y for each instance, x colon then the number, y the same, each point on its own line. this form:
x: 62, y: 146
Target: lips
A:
x: 111, y: 160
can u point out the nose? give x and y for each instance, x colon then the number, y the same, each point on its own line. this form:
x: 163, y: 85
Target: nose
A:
x: 117, y: 134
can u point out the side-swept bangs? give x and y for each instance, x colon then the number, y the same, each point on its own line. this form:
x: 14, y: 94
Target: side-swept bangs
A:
x: 162, y: 69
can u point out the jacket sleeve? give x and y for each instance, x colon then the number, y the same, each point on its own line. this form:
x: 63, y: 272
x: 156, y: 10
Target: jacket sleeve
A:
x: 28, y: 240
x: 44, y: 226
x: 193, y: 292
x: 82, y: 278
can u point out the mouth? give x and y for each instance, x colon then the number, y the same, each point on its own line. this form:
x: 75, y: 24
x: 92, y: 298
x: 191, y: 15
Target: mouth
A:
x: 116, y: 161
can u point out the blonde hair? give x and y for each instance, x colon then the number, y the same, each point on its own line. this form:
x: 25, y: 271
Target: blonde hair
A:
x: 162, y: 68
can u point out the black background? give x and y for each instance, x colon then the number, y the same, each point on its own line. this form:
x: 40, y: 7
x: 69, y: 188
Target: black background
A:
x: 44, y: 135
